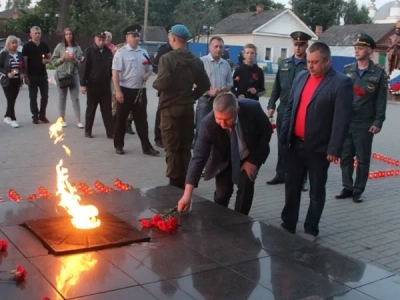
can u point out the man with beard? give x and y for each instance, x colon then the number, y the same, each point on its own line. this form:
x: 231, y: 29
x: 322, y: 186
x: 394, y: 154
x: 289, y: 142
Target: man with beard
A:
x: 369, y: 108
x: 179, y: 70
x: 287, y: 71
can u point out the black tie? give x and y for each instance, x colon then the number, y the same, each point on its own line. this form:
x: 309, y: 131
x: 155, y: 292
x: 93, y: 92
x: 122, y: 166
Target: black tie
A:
x: 235, y: 157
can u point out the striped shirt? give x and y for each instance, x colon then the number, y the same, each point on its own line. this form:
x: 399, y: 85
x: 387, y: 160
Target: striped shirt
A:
x: 131, y: 64
x: 14, y: 65
x: 219, y: 73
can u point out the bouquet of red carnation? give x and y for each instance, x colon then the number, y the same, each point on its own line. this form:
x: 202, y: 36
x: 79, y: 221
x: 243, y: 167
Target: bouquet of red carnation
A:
x: 167, y: 221
x: 254, y: 76
x: 3, y: 245
x: 273, y: 125
x: 19, y: 274
x: 359, y: 91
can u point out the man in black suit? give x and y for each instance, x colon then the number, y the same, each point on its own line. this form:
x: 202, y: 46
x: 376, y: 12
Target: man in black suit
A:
x: 314, y: 127
x: 232, y: 145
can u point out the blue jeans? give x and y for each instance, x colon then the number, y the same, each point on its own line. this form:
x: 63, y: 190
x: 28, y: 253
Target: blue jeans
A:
x: 203, y: 108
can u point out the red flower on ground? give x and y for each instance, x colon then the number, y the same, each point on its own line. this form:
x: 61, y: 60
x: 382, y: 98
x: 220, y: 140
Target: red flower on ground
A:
x: 359, y: 91
x: 145, y: 223
x: 3, y: 245
x: 155, y: 219
x: 254, y: 76
x: 19, y: 274
x: 46, y: 298
x: 237, y: 78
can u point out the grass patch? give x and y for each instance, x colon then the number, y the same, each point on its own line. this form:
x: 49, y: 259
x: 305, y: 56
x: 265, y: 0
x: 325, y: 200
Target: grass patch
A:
x: 268, y: 88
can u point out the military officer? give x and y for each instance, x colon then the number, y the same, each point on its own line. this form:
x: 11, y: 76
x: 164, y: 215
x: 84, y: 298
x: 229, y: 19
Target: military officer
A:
x: 287, y: 71
x: 369, y: 108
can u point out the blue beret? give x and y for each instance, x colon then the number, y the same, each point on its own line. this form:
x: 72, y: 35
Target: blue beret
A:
x: 180, y: 31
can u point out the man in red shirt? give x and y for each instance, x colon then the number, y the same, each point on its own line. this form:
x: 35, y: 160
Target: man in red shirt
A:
x: 314, y: 127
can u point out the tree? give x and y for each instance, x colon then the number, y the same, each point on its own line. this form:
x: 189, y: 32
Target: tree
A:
x: 318, y: 12
x: 228, y: 7
x: 352, y: 14
x: 63, y: 19
x: 18, y: 4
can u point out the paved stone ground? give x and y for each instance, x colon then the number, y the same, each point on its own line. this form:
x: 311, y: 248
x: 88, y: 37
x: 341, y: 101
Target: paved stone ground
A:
x: 369, y: 231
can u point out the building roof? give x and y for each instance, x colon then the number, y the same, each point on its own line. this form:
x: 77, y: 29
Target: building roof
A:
x: 7, y: 14
x: 344, y: 35
x: 245, y: 23
x: 156, y: 34
x: 384, y: 11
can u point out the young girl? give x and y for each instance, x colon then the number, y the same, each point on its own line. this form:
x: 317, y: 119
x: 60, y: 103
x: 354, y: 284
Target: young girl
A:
x: 248, y: 79
x: 13, y: 72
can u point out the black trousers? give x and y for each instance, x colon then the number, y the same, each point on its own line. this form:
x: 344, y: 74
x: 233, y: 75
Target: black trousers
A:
x: 38, y: 83
x: 99, y: 94
x: 317, y: 166
x: 139, y: 114
x: 224, y: 190
x: 157, y: 130
x: 11, y: 92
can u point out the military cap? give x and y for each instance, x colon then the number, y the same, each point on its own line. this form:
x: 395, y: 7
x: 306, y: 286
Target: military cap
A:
x: 133, y: 29
x: 180, y: 31
x: 300, y: 37
x: 100, y: 34
x: 168, y: 28
x: 364, y: 40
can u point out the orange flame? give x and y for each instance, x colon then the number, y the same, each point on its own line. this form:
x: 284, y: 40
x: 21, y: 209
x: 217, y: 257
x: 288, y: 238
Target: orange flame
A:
x: 83, y: 216
x: 71, y: 269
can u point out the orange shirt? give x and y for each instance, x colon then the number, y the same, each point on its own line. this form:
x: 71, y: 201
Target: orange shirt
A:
x: 308, y: 91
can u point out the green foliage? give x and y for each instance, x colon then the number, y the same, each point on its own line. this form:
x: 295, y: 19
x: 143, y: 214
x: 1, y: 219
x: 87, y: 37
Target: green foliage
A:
x: 228, y: 7
x: 352, y: 14
x: 318, y: 12
x: 18, y: 4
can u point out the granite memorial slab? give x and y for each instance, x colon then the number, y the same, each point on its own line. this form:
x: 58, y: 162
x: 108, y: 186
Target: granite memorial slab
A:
x: 385, y: 289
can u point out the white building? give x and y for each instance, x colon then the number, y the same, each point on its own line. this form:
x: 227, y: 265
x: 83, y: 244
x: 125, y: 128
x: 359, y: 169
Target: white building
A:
x: 268, y: 30
x: 387, y: 13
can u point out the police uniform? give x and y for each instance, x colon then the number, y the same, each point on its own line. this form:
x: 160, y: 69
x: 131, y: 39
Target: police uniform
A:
x: 131, y: 65
x: 287, y: 71
x: 369, y: 109
x: 114, y: 103
x: 95, y: 74
x: 163, y: 49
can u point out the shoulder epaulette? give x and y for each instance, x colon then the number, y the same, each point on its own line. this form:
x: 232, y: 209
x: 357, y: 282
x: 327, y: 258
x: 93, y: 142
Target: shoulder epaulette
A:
x: 380, y: 66
x: 119, y: 46
x: 348, y: 65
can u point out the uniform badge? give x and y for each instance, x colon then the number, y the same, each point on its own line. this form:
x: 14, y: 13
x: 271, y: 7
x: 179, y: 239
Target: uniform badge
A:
x: 371, y: 87
x: 286, y: 65
x: 349, y: 75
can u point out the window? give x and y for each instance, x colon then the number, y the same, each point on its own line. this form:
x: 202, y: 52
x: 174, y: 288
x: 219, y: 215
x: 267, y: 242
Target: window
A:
x: 284, y: 53
x: 267, y: 53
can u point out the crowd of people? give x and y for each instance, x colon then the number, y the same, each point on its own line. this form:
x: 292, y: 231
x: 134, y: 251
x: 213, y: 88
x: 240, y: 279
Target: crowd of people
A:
x: 323, y: 115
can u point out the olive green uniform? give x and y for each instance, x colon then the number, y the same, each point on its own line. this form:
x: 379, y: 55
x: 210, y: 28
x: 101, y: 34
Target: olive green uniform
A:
x: 287, y: 71
x: 369, y: 108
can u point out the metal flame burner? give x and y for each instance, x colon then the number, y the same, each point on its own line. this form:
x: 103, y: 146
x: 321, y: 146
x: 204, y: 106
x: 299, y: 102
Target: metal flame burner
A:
x: 60, y: 237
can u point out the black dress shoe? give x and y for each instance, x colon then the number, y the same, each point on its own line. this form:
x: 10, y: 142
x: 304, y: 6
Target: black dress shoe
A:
x: 119, y: 151
x: 344, y: 194
x: 110, y: 136
x: 44, y: 120
x: 357, y: 198
x: 129, y: 129
x: 151, y: 152
x: 276, y: 180
x: 88, y: 135
x: 35, y: 121
x: 159, y: 144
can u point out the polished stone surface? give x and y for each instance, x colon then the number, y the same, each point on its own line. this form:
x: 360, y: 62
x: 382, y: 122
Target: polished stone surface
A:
x: 216, y: 254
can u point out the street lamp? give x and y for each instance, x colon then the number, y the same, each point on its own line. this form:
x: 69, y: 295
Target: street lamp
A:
x: 52, y: 29
x: 208, y: 29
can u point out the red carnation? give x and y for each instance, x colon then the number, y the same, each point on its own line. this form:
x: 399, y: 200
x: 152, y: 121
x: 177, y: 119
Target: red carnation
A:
x: 145, y: 62
x: 145, y: 223
x: 21, y: 64
x: 46, y: 298
x: 359, y: 91
x: 237, y: 78
x: 19, y: 274
x: 3, y: 245
x: 155, y: 219
x: 254, y: 76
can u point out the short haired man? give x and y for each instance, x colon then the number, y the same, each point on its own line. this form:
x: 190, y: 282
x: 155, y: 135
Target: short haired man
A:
x: 287, y: 71
x: 232, y: 145
x: 369, y: 109
x: 163, y: 49
x: 178, y: 71
x: 95, y: 75
x: 314, y: 128
x: 36, y: 55
x: 220, y: 74
x: 130, y: 71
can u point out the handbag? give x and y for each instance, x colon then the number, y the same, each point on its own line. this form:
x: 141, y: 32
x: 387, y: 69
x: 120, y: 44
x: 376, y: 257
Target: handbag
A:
x: 65, y: 80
